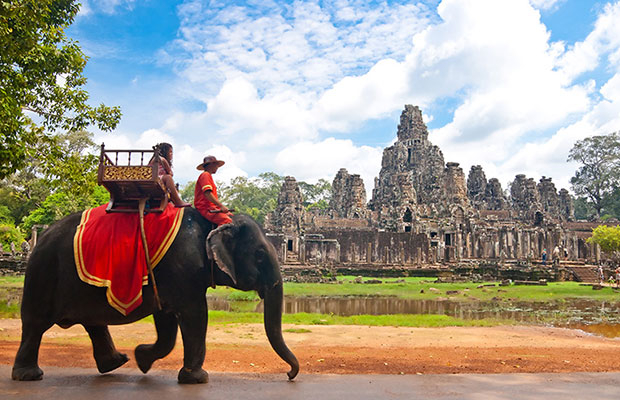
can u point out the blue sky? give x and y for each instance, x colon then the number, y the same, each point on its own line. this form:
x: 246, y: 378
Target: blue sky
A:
x: 304, y: 88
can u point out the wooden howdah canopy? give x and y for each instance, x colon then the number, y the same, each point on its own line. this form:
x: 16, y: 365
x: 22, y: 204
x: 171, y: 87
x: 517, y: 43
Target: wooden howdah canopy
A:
x: 131, y: 176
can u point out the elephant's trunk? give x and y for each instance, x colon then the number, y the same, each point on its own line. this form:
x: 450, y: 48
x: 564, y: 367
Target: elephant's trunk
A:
x: 273, y: 327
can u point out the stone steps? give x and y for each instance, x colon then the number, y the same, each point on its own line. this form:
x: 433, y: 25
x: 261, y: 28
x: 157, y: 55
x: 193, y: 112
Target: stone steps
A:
x: 584, y: 273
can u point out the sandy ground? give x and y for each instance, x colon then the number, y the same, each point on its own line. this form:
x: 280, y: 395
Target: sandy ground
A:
x: 350, y: 349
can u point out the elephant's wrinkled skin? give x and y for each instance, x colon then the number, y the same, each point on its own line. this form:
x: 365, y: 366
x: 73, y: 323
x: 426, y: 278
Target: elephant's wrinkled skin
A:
x: 54, y: 294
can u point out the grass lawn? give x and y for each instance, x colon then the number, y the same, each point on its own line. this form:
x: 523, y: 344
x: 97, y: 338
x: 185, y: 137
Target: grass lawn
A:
x: 244, y: 303
x: 426, y: 289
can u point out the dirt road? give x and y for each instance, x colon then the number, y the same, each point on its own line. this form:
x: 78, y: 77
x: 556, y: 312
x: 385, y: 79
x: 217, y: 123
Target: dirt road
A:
x: 351, y: 349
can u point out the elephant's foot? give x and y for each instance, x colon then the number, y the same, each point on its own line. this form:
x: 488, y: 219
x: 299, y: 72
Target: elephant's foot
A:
x: 144, y: 357
x: 110, y: 363
x: 27, y: 373
x: 198, y: 375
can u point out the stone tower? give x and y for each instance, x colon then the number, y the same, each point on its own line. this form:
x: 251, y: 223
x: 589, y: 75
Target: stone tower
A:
x: 413, y: 166
x: 476, y: 186
x: 525, y: 197
x: 456, y: 192
x: 494, y: 195
x: 289, y: 213
x: 348, y: 196
x: 567, y: 208
x: 549, y: 198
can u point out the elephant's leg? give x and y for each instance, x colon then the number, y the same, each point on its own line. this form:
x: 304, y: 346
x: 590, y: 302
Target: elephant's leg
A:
x: 167, y: 327
x: 104, y: 351
x: 193, y: 323
x: 26, y: 366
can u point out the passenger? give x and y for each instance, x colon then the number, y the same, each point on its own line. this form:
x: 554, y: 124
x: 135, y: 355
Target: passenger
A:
x: 205, y: 193
x: 164, y: 173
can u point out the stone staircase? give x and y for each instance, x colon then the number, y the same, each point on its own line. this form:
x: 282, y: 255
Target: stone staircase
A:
x: 583, y: 273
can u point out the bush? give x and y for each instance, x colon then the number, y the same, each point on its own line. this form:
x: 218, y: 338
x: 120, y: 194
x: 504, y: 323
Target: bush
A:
x: 10, y: 234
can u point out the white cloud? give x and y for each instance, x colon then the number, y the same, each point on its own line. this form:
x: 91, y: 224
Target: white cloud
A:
x: 185, y: 157
x: 545, y: 4
x: 278, y: 80
x: 603, y: 41
x: 309, y: 161
x: 105, y: 6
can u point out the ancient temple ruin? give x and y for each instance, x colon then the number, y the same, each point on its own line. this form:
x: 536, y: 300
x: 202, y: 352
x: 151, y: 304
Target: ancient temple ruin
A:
x: 423, y: 210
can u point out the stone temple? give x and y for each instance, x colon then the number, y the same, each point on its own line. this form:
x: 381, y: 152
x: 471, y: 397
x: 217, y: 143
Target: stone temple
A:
x: 424, y: 211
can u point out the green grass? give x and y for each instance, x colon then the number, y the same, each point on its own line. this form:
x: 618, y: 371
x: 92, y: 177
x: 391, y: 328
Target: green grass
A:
x: 411, y: 288
x: 409, y: 320
x: 419, y: 288
x: 12, y: 281
x: 9, y: 310
x: 243, y: 304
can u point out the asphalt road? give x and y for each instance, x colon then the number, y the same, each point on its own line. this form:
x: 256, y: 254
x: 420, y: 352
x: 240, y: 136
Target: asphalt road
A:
x: 127, y: 384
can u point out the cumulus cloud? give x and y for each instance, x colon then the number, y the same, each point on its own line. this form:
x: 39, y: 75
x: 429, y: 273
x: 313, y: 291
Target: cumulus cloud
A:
x: 185, y: 158
x: 105, y: 6
x: 603, y: 41
x: 311, y: 161
x: 545, y: 4
x: 287, y: 86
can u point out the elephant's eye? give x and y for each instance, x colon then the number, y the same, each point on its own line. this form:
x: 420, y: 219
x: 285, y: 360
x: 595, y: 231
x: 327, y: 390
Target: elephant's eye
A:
x: 261, y: 255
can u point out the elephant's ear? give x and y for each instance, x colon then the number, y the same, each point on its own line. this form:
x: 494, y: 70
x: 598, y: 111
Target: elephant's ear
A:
x: 220, y: 247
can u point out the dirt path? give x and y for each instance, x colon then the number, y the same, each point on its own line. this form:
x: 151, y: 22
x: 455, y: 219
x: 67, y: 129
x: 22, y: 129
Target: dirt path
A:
x: 352, y: 349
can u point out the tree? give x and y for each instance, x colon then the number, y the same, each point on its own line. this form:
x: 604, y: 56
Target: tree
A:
x: 256, y: 197
x: 62, y: 164
x: 599, y: 173
x: 9, y: 234
x: 60, y: 204
x: 317, y: 195
x: 187, y: 191
x: 41, y: 78
x: 583, y: 209
x: 608, y: 238
x: 5, y: 216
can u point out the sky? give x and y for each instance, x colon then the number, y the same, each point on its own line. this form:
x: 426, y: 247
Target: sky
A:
x: 304, y: 88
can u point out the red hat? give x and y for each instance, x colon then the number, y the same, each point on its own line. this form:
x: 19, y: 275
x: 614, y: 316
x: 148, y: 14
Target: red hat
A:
x: 209, y: 160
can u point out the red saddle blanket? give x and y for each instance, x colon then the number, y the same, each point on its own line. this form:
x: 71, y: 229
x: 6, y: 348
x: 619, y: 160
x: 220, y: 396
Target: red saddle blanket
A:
x: 109, y: 253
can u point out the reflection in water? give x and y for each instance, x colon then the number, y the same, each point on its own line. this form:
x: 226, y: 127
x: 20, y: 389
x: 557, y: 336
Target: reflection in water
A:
x: 591, y: 316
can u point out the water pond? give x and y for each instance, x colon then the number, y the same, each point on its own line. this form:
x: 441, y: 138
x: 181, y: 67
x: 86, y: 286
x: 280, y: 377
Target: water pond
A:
x: 599, y: 318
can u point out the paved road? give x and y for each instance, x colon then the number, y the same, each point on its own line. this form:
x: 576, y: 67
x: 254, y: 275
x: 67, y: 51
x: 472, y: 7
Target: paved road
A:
x: 127, y: 384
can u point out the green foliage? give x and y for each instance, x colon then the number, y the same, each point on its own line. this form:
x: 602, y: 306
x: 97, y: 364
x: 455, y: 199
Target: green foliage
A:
x: 187, y: 191
x: 608, y: 238
x: 65, y: 163
x: 41, y: 73
x: 10, y: 234
x: 584, y: 210
x: 61, y: 204
x: 317, y: 195
x: 6, y: 218
x: 256, y: 197
x: 320, y: 205
x: 599, y: 173
x: 611, y: 204
x: 52, y: 209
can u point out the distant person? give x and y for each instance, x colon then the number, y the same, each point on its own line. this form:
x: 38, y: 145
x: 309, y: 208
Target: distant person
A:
x: 205, y: 193
x: 544, y: 257
x: 601, y: 274
x: 556, y: 255
x: 164, y: 172
x: 617, y: 277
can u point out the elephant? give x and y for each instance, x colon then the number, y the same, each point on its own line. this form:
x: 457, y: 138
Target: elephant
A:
x: 237, y: 255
